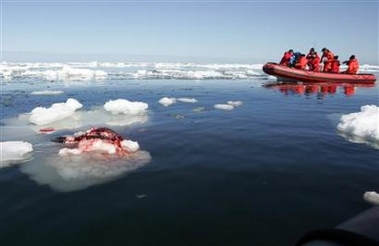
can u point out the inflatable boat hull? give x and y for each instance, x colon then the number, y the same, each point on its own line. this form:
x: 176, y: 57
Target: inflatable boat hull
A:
x: 285, y: 73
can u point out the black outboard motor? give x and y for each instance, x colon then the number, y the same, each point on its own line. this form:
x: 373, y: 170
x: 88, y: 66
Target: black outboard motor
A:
x: 361, y: 230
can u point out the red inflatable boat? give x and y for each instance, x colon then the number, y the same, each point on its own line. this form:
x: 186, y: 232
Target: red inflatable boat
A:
x: 287, y: 73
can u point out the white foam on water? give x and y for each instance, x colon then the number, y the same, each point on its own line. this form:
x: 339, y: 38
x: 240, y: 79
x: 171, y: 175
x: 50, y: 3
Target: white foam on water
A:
x: 14, y: 152
x: 361, y: 127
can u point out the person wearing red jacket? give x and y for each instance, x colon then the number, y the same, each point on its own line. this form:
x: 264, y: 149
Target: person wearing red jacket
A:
x: 352, y: 65
x: 286, y: 58
x: 335, y: 65
x: 310, y: 53
x: 312, y: 64
x: 315, y: 63
x: 302, y: 62
x: 327, y: 58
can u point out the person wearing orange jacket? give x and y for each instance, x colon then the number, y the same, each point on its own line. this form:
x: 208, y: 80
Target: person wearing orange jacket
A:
x: 310, y: 53
x: 327, y: 58
x: 302, y: 62
x: 335, y: 65
x: 286, y: 58
x: 352, y: 65
x: 315, y: 63
x: 311, y: 61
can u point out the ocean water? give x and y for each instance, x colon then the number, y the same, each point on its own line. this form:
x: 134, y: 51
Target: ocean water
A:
x: 263, y: 173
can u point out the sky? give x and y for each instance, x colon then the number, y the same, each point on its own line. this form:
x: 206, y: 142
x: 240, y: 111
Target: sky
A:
x: 187, y: 31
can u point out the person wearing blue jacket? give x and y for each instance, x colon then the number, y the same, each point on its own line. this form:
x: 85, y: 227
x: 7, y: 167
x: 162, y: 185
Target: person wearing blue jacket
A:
x: 294, y: 58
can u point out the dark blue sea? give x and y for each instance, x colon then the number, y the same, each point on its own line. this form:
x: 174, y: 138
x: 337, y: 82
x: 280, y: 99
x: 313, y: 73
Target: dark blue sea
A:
x: 264, y: 173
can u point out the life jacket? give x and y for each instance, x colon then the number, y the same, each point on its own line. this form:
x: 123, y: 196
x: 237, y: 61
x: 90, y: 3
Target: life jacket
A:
x: 286, y: 58
x: 335, y: 66
x: 328, y: 55
x: 352, y: 66
x: 302, y: 62
x: 327, y: 58
x: 316, y: 64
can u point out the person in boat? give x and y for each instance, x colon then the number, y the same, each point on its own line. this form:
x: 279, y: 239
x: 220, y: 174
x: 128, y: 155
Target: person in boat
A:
x: 301, y: 62
x: 294, y: 58
x: 335, y: 65
x: 286, y: 58
x: 314, y: 63
x: 352, y: 65
x: 312, y: 59
x: 310, y: 53
x: 327, y: 58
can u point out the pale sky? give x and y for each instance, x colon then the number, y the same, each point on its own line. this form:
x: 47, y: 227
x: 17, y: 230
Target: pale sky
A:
x: 203, y: 31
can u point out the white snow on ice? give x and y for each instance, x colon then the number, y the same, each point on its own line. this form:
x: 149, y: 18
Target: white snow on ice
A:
x: 230, y: 105
x: 223, y: 106
x: 46, y: 92
x: 167, y: 101
x: 187, y: 100
x: 57, y: 111
x: 67, y: 115
x: 12, y: 152
x: 123, y: 106
x: 371, y: 197
x: 361, y: 127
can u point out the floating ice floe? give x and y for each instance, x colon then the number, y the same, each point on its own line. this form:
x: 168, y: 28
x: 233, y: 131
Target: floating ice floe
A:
x: 371, y: 197
x: 84, y: 71
x: 93, y: 157
x: 100, y: 139
x: 230, y: 105
x: 224, y: 106
x: 167, y: 101
x: 46, y: 92
x: 122, y: 106
x: 57, y: 111
x: 66, y: 115
x: 51, y: 71
x: 12, y: 152
x: 67, y: 73
x: 187, y: 100
x: 235, y: 103
x: 361, y: 127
